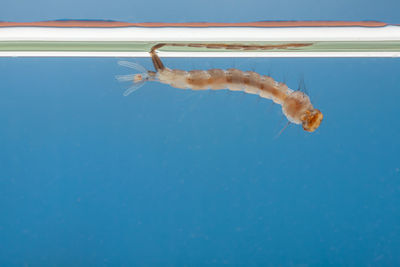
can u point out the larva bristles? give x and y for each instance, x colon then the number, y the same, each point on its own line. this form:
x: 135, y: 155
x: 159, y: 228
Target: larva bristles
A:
x: 125, y: 78
x: 138, y: 79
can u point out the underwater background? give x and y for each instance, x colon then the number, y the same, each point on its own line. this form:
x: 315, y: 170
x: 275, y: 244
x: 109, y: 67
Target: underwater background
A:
x: 174, y: 177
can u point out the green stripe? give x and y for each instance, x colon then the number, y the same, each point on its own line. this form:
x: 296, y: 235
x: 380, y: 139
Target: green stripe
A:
x: 145, y: 47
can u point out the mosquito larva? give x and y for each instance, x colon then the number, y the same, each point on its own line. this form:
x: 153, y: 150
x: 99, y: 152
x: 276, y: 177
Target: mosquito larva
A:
x: 296, y: 105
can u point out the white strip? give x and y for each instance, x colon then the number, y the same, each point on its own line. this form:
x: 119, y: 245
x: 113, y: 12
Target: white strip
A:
x: 199, y: 54
x: 212, y: 34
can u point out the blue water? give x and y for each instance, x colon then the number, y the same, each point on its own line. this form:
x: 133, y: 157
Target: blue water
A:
x: 172, y: 177
x: 167, y: 176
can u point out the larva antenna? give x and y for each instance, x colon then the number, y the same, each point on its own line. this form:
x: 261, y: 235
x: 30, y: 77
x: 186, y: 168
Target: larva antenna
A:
x: 137, y: 79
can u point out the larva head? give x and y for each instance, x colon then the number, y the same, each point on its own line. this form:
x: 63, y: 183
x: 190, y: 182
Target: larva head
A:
x: 311, y: 119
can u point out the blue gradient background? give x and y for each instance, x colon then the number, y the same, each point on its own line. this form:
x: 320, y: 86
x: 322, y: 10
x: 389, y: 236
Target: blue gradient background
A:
x: 171, y: 177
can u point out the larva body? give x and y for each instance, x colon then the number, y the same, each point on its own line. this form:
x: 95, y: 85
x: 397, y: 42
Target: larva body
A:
x: 296, y: 105
x: 231, y: 79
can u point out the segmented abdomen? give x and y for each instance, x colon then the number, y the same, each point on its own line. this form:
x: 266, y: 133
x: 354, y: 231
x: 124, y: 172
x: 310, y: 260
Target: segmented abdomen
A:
x: 232, y: 79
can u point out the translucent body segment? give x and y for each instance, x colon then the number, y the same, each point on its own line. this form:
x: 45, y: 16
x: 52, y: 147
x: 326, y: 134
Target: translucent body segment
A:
x: 234, y: 79
x: 198, y: 79
x: 179, y: 79
x: 295, y: 105
x: 217, y: 79
x: 175, y: 78
x: 251, y: 82
x: 284, y: 88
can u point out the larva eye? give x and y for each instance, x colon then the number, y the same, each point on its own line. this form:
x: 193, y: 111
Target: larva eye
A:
x: 312, y: 120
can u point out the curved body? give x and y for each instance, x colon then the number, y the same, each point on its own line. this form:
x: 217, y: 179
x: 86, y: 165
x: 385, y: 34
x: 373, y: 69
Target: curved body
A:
x: 296, y: 105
